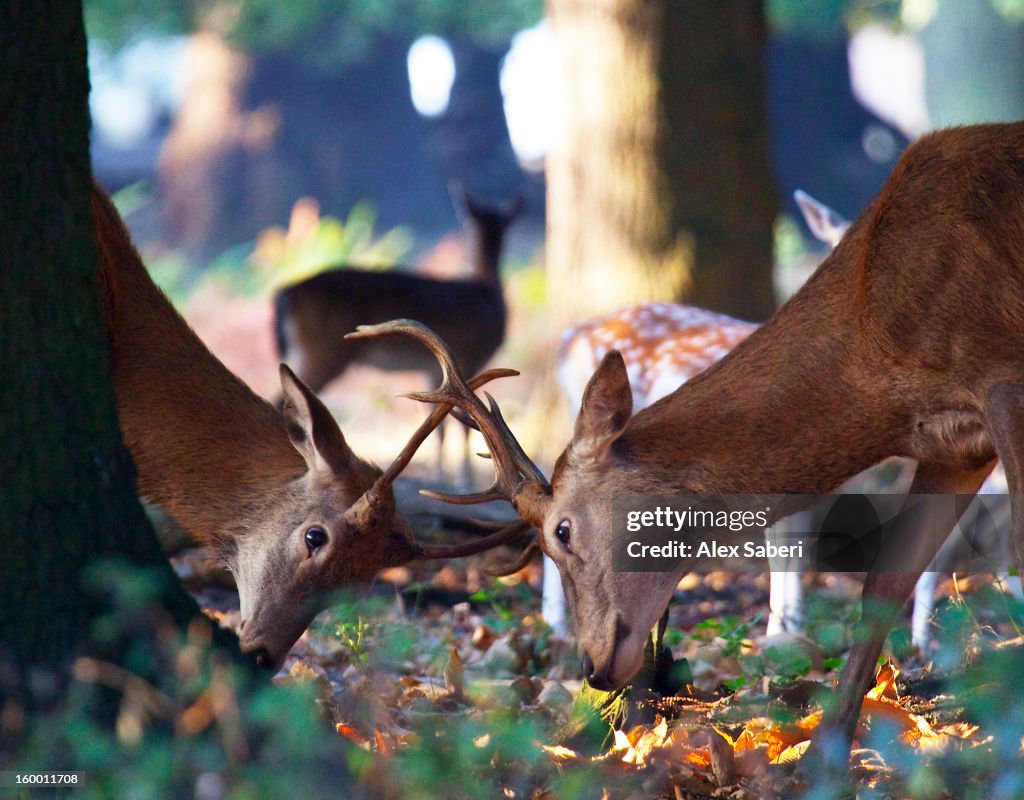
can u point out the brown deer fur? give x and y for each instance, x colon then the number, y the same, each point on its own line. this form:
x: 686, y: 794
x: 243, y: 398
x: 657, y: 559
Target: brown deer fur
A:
x: 907, y: 341
x: 240, y: 476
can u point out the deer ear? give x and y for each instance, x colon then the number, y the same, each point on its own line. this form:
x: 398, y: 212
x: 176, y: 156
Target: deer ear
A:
x: 825, y: 223
x: 511, y: 209
x: 312, y: 429
x: 607, y: 406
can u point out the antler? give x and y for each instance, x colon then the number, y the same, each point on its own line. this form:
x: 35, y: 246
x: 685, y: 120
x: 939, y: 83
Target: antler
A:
x: 507, y: 534
x: 512, y: 467
x: 424, y: 430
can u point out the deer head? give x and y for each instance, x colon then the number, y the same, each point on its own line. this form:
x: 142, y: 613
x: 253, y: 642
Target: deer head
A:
x: 288, y: 506
x: 572, y: 512
x: 339, y: 529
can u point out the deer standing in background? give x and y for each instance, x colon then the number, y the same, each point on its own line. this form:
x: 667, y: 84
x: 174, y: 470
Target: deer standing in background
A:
x: 907, y: 341
x: 290, y: 509
x: 312, y: 317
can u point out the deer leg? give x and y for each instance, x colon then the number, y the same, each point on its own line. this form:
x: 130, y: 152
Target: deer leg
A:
x: 906, y: 550
x: 952, y: 552
x: 552, y: 602
x: 1006, y: 426
x: 786, y: 592
x: 467, y: 459
x: 924, y: 608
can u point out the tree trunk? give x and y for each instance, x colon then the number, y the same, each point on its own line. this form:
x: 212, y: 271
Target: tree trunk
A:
x: 660, y: 187
x: 257, y: 132
x: 67, y: 492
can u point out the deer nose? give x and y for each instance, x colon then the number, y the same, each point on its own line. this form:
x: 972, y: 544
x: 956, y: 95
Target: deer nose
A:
x: 596, y: 680
x: 263, y: 659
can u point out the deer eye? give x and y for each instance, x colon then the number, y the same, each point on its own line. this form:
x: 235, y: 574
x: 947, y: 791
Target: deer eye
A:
x: 563, y: 533
x: 316, y: 537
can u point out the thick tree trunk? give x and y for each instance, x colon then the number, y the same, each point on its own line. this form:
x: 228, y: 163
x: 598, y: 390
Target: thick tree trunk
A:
x: 660, y: 187
x: 67, y: 494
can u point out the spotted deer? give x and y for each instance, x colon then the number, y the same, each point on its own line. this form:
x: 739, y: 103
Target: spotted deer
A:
x: 280, y: 498
x: 907, y: 341
x: 312, y: 317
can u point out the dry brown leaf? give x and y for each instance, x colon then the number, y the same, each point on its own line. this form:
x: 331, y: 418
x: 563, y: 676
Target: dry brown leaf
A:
x: 887, y: 709
x: 352, y: 735
x: 751, y: 763
x: 647, y: 743
x: 483, y: 637
x: 561, y: 754
x: 745, y: 741
x: 455, y: 676
x: 811, y: 721
x: 961, y: 730
x: 723, y: 761
x: 885, y: 682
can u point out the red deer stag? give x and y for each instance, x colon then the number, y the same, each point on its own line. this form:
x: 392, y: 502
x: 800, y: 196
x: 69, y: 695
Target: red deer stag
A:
x: 907, y: 341
x: 291, y: 510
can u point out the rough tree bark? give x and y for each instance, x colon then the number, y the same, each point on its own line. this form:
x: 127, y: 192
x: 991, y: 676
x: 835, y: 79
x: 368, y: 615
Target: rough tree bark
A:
x: 660, y: 187
x: 67, y: 494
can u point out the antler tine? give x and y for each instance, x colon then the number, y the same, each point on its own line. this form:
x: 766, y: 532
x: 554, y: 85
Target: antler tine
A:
x: 521, y: 561
x: 426, y: 428
x: 506, y: 534
x: 522, y: 460
x: 511, y: 466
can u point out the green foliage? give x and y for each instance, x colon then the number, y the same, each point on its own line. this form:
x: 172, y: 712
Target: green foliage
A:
x: 828, y: 19
x: 470, y: 757
x: 373, y: 638
x: 1011, y: 10
x: 284, y: 257
x: 334, y: 31
x: 502, y: 598
x: 729, y: 628
x: 119, y: 21
x: 175, y: 714
x: 280, y: 257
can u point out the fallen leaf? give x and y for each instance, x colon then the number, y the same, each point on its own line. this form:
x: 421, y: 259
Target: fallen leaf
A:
x: 483, y: 637
x: 723, y: 761
x: 792, y: 754
x: 352, y: 735
x: 455, y: 676
x: 885, y: 682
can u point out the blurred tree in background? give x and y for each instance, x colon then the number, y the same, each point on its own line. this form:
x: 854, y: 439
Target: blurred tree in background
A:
x: 298, y: 99
x: 974, y: 61
x: 660, y: 187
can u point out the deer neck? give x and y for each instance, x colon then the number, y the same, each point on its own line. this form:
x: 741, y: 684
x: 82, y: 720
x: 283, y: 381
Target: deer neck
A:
x: 232, y: 453
x: 486, y: 246
x: 762, y: 421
